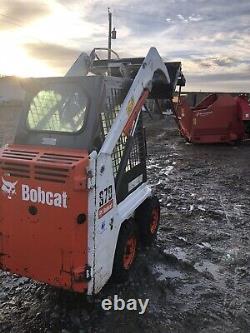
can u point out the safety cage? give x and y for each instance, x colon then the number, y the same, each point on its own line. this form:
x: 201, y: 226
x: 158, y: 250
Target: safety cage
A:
x: 78, y: 113
x: 129, y: 154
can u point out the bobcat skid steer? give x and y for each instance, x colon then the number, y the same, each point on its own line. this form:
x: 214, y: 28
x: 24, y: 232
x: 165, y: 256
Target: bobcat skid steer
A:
x: 74, y: 197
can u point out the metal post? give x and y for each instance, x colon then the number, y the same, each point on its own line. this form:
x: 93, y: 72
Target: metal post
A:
x: 109, y: 38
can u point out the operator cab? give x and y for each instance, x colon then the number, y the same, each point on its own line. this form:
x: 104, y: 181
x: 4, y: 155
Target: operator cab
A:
x: 65, y: 112
x: 77, y: 113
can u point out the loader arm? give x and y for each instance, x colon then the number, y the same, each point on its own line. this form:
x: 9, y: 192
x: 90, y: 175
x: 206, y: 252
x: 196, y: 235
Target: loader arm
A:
x: 143, y: 81
x: 129, y: 193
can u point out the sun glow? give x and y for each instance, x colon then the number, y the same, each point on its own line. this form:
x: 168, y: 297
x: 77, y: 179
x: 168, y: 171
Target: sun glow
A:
x: 61, y: 27
x: 15, y: 61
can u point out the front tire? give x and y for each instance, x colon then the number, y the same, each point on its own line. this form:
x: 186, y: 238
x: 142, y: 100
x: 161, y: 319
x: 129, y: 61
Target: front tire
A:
x: 125, y: 252
x: 147, y: 217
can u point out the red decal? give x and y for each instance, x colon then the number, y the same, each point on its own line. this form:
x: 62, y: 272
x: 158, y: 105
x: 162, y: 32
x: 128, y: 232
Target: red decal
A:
x: 105, y: 209
x: 133, y: 113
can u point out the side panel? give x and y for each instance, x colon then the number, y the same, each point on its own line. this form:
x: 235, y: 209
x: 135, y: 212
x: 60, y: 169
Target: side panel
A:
x: 91, y: 218
x: 215, y: 119
x: 219, y: 122
x: 109, y: 217
x: 44, y: 222
x: 107, y: 223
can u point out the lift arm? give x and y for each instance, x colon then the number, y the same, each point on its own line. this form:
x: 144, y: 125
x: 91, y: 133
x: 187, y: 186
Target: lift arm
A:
x: 135, y: 98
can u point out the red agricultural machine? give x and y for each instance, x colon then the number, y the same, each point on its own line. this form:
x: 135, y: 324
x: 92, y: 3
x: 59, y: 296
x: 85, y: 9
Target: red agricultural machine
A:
x: 217, y: 118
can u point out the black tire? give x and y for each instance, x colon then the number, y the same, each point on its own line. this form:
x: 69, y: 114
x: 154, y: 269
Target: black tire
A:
x: 147, y: 217
x: 125, y: 252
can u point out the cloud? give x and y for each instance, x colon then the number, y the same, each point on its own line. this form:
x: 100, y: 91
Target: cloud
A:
x: 227, y: 82
x: 182, y: 18
x: 16, y: 13
x: 6, y: 24
x: 67, y: 2
x: 238, y: 76
x: 59, y: 57
x: 222, y: 61
x: 27, y: 10
x: 195, y: 18
x: 209, y: 37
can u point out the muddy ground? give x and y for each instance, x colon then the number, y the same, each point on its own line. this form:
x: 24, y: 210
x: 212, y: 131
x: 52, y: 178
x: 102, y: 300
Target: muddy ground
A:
x: 197, y: 274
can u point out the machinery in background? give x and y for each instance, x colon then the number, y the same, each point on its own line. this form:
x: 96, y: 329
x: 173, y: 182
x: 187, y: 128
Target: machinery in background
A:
x: 217, y: 118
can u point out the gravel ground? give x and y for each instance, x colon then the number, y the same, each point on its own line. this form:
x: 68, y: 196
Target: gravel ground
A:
x: 196, y: 275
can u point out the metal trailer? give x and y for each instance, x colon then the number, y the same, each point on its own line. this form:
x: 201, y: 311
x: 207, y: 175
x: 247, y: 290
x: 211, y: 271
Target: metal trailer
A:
x: 217, y: 118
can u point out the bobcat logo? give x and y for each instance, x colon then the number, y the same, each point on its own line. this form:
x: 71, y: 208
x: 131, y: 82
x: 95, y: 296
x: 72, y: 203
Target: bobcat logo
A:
x: 9, y: 188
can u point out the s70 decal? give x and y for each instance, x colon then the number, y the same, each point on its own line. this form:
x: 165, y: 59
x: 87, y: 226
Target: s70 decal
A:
x: 105, y: 201
x: 105, y: 195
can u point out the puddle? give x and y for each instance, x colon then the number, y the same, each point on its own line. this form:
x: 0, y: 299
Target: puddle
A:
x: 166, y: 171
x: 204, y: 245
x: 160, y: 181
x: 177, y: 252
x: 153, y: 166
x: 215, y: 270
x: 163, y: 273
x: 207, y: 266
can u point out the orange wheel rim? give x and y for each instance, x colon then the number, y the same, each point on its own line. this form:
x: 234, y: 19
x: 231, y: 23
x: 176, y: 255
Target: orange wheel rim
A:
x: 154, y: 220
x: 129, y: 254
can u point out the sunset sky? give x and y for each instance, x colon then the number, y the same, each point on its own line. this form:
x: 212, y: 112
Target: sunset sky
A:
x: 211, y: 38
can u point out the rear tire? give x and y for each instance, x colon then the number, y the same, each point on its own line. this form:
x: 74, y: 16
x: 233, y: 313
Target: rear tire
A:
x: 147, y: 217
x: 125, y: 252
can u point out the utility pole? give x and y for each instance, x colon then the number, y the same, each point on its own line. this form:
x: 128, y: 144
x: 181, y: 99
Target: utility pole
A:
x: 110, y: 28
x: 112, y: 33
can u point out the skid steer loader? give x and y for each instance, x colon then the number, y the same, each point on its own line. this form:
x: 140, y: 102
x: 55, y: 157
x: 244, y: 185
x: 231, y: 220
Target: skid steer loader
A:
x: 74, y: 195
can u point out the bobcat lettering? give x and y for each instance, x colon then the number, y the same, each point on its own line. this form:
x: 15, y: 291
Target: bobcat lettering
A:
x: 45, y: 198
